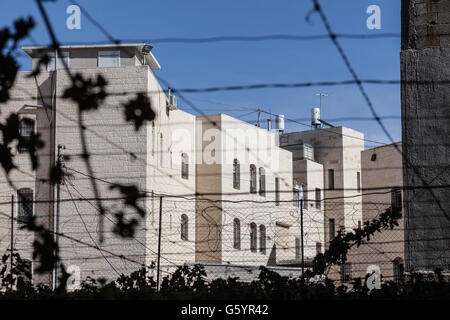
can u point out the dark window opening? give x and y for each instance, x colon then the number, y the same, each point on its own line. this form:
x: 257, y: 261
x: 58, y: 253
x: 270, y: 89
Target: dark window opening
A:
x: 330, y: 179
x: 236, y: 234
x: 253, y: 237
x: 331, y: 229
x: 25, y: 205
x: 236, y: 174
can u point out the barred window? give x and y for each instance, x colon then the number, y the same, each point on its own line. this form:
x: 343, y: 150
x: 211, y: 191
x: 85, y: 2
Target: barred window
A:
x: 252, y: 178
x: 346, y: 272
x: 184, y: 166
x: 184, y: 227
x: 262, y: 239
x: 26, y: 129
x: 236, y: 233
x: 262, y: 182
x: 25, y: 205
x: 236, y: 174
x: 398, y: 269
x: 253, y: 237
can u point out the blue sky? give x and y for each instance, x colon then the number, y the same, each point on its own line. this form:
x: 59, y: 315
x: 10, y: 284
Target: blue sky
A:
x: 243, y: 63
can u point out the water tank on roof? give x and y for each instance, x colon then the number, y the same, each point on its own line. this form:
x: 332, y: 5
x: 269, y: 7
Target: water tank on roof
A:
x: 315, y: 117
x: 280, y: 123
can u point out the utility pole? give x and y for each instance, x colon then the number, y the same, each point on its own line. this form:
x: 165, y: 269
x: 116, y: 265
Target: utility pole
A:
x: 58, y: 205
x: 320, y: 94
x: 12, y: 230
x: 159, y: 244
x: 301, y: 228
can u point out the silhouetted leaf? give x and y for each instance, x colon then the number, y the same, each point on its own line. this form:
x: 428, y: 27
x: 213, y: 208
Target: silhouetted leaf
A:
x: 89, y: 94
x: 124, y: 228
x: 139, y: 110
x: 132, y: 195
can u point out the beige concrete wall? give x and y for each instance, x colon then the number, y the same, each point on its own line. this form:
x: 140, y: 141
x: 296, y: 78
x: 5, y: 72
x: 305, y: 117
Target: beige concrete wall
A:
x: 209, y: 183
x: 310, y: 174
x: 353, y: 144
x: 164, y: 178
x: 25, y: 92
x: 338, y: 149
x: 250, y: 145
x: 119, y: 154
x: 379, y: 177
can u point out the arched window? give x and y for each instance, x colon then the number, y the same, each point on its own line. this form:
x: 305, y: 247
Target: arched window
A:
x: 184, y: 166
x: 236, y: 174
x: 253, y: 237
x: 184, y: 227
x: 236, y: 233
x: 161, y: 150
x: 25, y: 205
x: 26, y: 129
x: 398, y: 269
x: 252, y: 178
x: 262, y: 182
x: 262, y: 239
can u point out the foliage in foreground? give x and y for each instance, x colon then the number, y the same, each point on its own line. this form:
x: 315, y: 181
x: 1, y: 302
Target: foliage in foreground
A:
x: 191, y: 283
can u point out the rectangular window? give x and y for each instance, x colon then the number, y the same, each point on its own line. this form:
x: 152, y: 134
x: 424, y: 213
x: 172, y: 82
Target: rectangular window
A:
x: 62, y: 61
x: 26, y: 130
x: 318, y: 199
x: 330, y: 179
x: 396, y: 199
x: 108, y: 59
x: 25, y: 205
x: 346, y: 272
x: 297, y: 248
x: 358, y: 181
x: 331, y: 229
x: 277, y: 191
x: 318, y: 247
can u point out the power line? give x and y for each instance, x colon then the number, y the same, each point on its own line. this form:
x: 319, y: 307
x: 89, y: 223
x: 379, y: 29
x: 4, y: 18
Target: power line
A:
x: 352, y: 71
x: 90, y: 236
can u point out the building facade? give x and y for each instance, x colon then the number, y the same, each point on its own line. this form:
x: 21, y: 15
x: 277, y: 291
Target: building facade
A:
x: 336, y: 185
x: 382, y: 189
x: 171, y: 160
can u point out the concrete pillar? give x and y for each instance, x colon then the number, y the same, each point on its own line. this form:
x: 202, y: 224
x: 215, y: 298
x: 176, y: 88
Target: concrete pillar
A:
x: 425, y: 64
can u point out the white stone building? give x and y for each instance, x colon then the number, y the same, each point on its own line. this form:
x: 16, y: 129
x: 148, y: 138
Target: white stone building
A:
x: 170, y: 157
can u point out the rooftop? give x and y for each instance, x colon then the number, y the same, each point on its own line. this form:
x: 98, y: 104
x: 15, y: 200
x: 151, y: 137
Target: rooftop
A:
x: 34, y: 51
